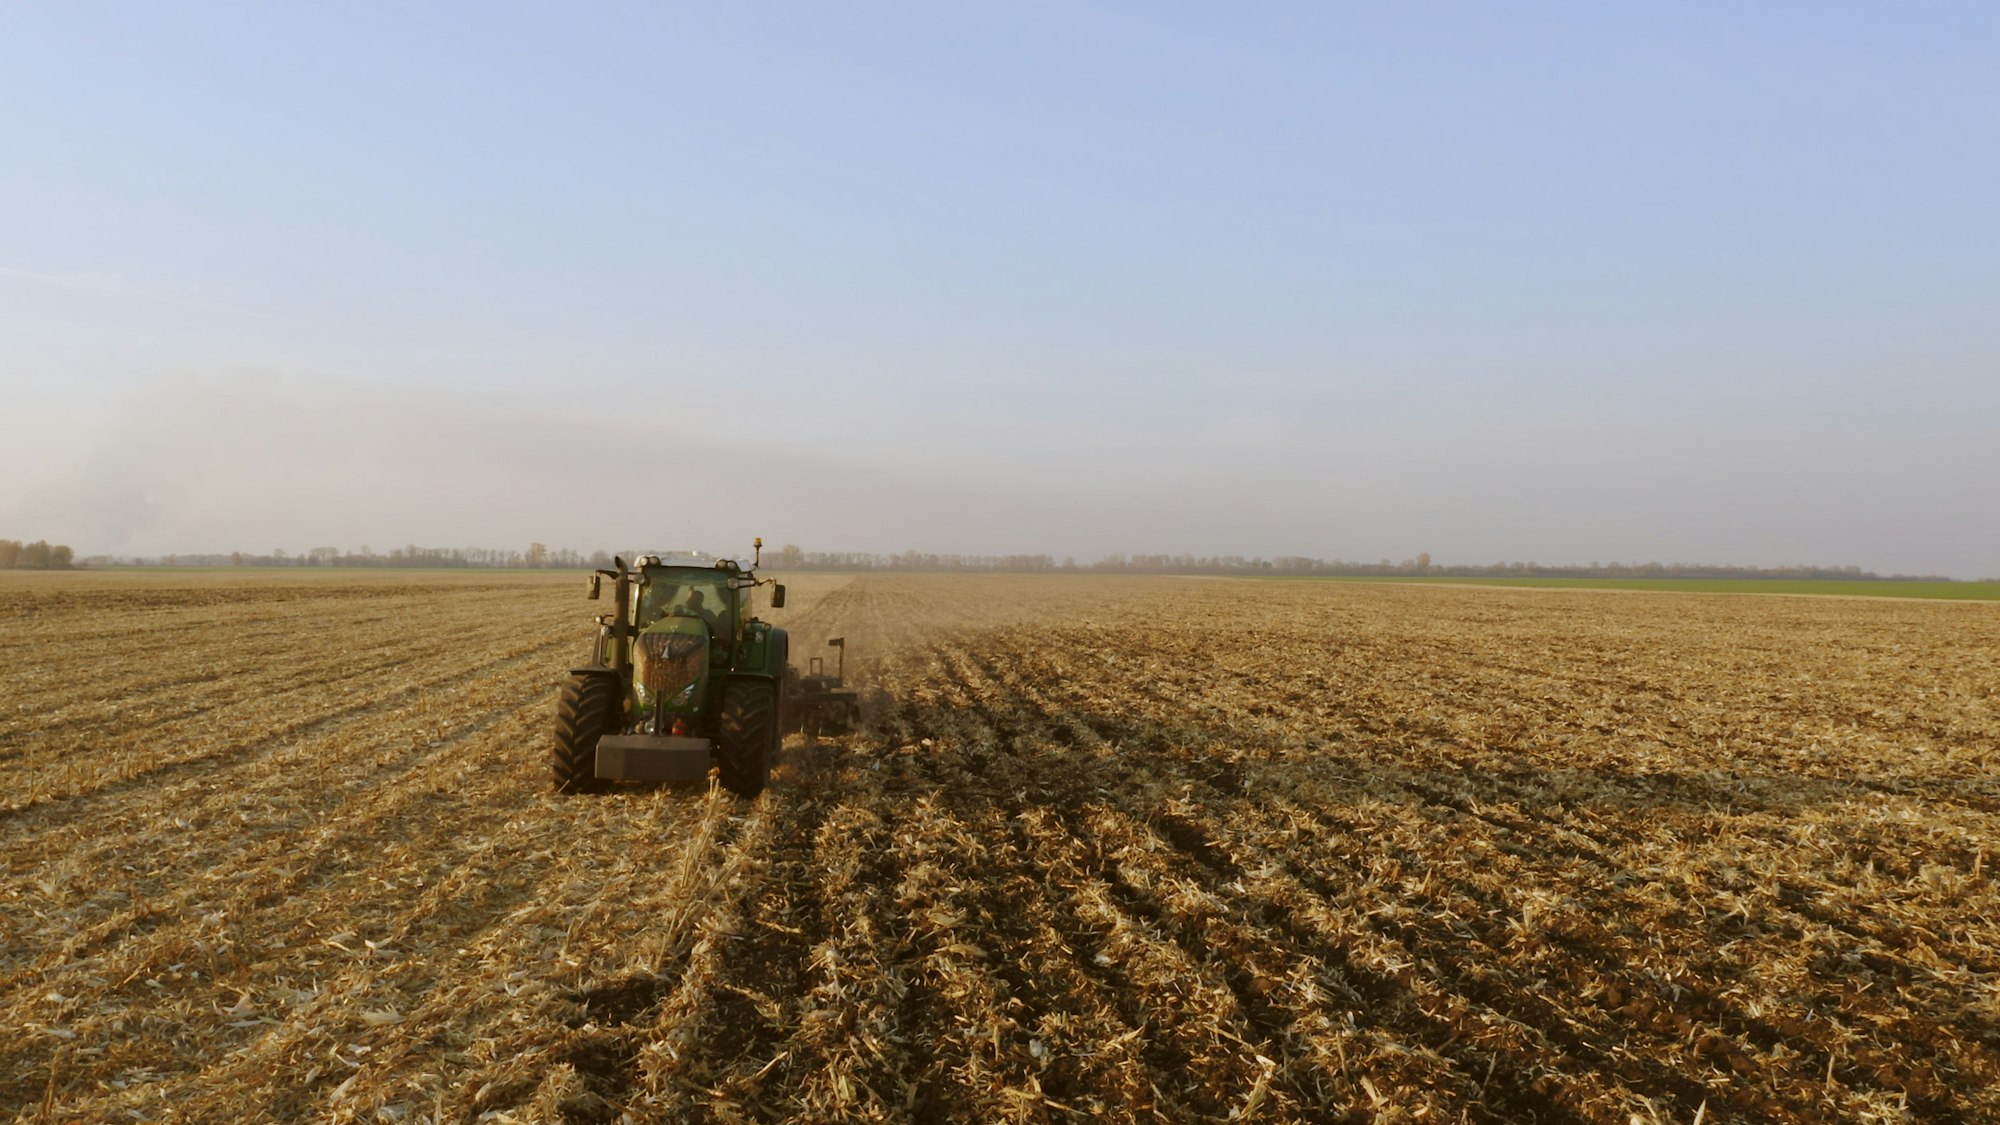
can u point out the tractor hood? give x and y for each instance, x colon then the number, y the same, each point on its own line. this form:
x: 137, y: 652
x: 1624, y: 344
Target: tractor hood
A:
x: 670, y: 665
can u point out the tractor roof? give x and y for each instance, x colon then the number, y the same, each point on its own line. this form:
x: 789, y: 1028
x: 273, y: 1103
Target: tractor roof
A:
x: 691, y: 559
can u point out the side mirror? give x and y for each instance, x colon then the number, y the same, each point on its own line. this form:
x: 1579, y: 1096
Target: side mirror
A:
x: 778, y: 596
x: 596, y: 583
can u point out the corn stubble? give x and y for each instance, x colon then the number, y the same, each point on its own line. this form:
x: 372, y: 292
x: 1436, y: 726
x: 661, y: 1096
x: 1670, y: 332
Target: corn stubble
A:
x: 1116, y: 848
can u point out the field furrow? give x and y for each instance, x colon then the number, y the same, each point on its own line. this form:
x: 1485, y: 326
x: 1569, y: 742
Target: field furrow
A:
x: 1129, y: 849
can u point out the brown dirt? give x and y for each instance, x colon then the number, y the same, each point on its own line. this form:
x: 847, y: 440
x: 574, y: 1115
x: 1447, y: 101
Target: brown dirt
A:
x: 1120, y: 848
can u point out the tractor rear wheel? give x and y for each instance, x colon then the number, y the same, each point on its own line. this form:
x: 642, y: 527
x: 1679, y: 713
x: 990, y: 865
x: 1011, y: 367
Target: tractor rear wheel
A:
x: 587, y: 711
x: 747, y: 735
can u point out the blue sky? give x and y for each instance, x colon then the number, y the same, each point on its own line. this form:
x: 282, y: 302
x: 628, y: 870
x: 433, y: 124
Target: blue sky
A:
x: 1553, y: 282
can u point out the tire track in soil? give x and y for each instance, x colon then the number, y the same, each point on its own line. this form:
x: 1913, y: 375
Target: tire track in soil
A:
x: 1221, y: 872
x: 701, y: 900
x: 169, y: 922
x: 1596, y: 963
x: 1254, y: 1014
x: 1032, y: 1021
x: 854, y: 1054
x: 268, y: 783
x: 232, y: 670
x: 353, y: 802
x: 216, y: 645
x: 604, y: 1060
x: 733, y: 1050
x: 20, y: 815
x: 1264, y: 1021
x: 365, y: 804
x: 1053, y: 993
x: 1657, y: 1080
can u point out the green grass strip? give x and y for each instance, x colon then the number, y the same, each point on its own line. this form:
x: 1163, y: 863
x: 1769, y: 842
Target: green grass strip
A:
x: 1884, y: 588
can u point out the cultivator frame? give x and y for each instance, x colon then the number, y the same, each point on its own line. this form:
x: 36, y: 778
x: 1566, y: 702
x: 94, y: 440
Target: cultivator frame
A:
x: 819, y: 702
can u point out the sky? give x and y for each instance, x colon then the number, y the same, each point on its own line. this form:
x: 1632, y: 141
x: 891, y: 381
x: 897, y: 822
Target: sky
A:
x: 1553, y: 282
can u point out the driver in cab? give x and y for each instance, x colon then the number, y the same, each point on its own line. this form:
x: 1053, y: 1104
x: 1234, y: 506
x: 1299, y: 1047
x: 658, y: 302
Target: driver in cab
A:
x: 696, y: 606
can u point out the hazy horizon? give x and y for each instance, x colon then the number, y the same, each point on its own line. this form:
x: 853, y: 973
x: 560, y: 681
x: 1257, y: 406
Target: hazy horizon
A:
x: 1556, y: 283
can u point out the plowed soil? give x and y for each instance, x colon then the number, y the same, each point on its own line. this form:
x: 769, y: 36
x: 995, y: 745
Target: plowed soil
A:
x: 284, y: 848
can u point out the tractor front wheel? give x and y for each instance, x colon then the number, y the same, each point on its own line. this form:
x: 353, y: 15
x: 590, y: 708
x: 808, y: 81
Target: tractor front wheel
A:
x: 587, y: 711
x: 748, y: 735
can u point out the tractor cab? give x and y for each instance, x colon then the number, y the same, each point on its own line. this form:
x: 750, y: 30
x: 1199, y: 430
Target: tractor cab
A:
x: 716, y: 597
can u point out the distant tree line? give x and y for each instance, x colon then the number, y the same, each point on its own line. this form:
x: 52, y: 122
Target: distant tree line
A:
x: 791, y: 557
x: 537, y: 557
x: 39, y: 555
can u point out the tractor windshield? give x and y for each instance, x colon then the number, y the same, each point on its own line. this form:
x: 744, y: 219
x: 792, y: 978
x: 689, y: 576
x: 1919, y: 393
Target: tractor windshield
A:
x: 687, y: 592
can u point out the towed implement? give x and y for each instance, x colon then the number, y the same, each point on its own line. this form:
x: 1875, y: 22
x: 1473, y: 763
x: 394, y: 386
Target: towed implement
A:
x: 818, y: 701
x: 683, y: 676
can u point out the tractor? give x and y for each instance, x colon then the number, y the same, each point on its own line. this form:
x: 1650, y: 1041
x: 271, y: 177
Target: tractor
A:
x: 682, y: 676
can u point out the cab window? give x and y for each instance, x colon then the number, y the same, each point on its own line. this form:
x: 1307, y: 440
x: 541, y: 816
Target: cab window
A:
x: 690, y: 593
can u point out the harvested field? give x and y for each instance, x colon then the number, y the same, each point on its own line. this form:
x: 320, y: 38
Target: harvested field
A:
x: 284, y: 848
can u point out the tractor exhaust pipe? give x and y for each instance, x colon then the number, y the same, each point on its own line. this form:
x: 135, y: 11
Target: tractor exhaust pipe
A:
x: 622, y: 631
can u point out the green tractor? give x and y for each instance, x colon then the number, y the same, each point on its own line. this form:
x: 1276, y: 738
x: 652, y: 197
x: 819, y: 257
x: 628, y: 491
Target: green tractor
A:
x: 681, y: 677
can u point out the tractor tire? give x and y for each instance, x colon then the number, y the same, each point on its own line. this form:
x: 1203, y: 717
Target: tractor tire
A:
x: 587, y: 711
x: 747, y: 735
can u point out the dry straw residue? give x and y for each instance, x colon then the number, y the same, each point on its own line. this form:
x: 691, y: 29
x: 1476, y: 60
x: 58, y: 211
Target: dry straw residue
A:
x: 1115, y: 848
